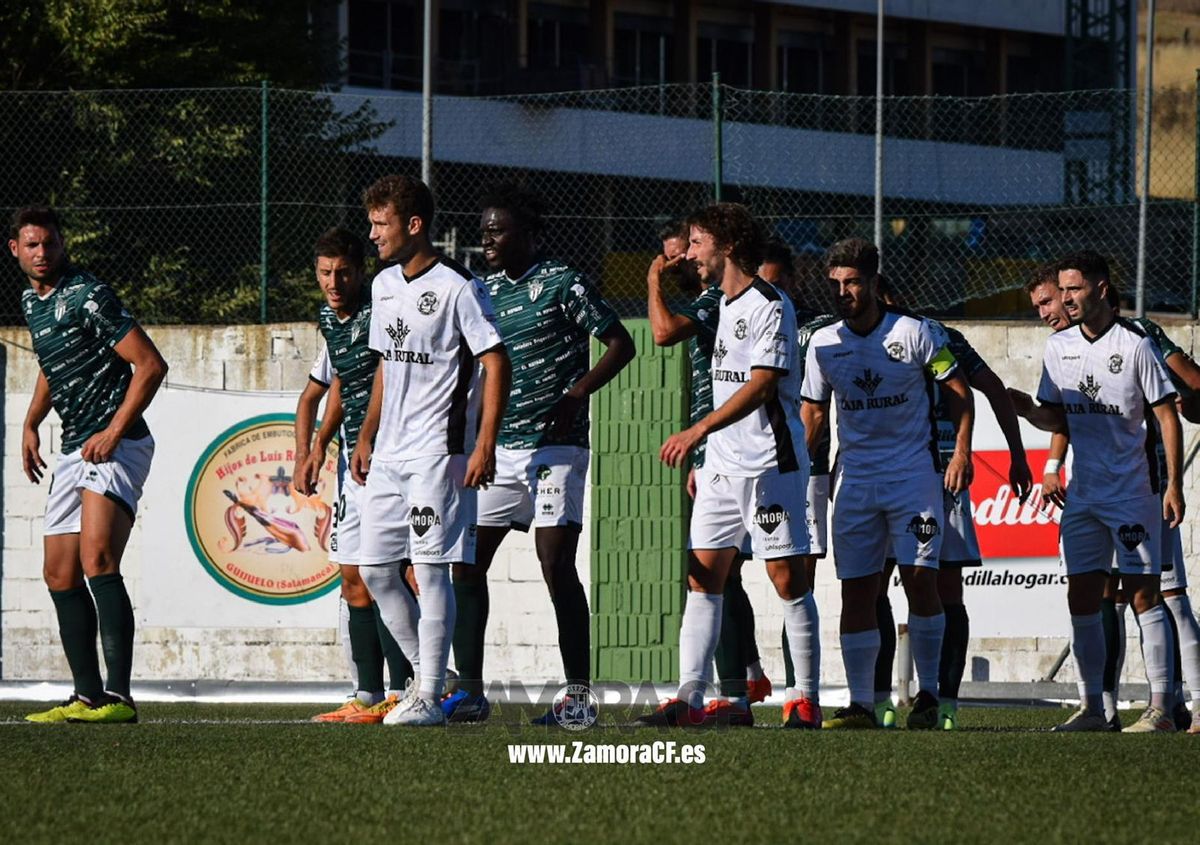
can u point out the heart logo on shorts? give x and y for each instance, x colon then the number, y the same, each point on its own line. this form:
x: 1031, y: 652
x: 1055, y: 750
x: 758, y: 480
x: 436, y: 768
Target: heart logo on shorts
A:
x: 770, y: 518
x: 924, y: 528
x: 423, y: 519
x: 1131, y: 536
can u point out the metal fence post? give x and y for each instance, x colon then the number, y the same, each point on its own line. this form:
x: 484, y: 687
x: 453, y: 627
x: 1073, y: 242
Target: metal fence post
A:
x: 262, y: 215
x: 718, y: 152
x: 1196, y: 208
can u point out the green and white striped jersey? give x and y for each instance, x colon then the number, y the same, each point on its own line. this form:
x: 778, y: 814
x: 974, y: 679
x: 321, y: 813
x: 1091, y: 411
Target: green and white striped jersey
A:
x: 74, y: 330
x: 351, y: 359
x: 545, y: 318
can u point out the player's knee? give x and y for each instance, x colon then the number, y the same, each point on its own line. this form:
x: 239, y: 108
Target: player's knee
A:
x: 559, y: 575
x: 469, y: 573
x: 98, y: 561
x: 354, y: 591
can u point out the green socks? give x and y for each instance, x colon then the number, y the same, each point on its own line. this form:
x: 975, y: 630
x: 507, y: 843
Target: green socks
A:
x: 574, y: 631
x: 77, y: 630
x: 954, y: 651
x: 365, y: 648
x: 115, y: 613
x: 399, y: 669
x: 731, y: 646
x: 474, y: 602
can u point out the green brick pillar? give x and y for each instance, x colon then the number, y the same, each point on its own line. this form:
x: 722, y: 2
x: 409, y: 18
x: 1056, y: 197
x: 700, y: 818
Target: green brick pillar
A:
x: 639, y: 524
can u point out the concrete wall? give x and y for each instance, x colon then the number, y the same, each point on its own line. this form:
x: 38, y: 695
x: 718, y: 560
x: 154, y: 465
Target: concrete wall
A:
x: 521, y: 635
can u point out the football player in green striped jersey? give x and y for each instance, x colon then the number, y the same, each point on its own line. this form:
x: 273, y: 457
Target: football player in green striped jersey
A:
x: 546, y: 311
x: 98, y: 372
x: 346, y: 363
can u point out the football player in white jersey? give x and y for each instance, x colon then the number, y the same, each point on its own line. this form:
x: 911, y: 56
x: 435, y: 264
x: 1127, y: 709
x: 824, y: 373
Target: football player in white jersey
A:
x: 425, y: 443
x: 1098, y: 376
x: 876, y: 364
x: 755, y: 471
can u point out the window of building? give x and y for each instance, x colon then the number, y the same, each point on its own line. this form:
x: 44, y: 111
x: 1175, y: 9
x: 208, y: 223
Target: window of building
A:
x: 557, y: 36
x: 802, y: 59
x: 642, y: 51
x: 383, y: 43
x: 727, y: 50
x: 958, y: 73
x: 895, y: 68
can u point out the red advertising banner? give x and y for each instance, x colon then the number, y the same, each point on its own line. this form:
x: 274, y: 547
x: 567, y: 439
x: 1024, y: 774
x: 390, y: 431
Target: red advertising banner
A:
x: 1004, y: 526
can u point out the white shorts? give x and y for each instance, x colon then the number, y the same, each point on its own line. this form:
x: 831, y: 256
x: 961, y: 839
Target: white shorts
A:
x: 874, y: 518
x: 770, y: 508
x: 345, y: 539
x: 540, y: 487
x: 120, y: 479
x: 1125, y: 535
x: 1174, y: 578
x: 417, y: 509
x: 959, y: 544
x: 818, y: 514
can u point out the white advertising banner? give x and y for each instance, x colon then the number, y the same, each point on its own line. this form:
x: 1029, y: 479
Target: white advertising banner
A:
x: 227, y: 540
x: 1020, y: 590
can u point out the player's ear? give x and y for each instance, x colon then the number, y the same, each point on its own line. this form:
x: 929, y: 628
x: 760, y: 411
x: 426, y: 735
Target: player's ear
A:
x: 415, y: 225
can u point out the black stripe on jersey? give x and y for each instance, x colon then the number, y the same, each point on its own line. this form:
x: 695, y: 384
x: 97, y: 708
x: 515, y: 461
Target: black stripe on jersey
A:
x: 768, y: 290
x: 458, y: 268
x: 1170, y: 397
x: 771, y: 369
x: 785, y: 449
x: 931, y: 398
x: 456, y: 429
x: 1152, y: 450
x: 416, y: 276
x: 1132, y: 326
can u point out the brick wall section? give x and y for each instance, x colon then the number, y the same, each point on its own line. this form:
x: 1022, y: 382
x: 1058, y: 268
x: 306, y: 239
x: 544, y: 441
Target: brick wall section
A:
x: 637, y: 563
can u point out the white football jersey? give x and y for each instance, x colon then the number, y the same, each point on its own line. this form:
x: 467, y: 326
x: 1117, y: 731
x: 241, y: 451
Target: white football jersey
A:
x: 429, y: 331
x: 322, y: 368
x: 882, y: 386
x: 1104, y: 384
x: 757, y: 329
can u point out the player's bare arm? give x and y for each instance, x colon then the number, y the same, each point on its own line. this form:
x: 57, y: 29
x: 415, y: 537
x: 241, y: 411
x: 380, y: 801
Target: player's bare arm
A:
x: 989, y: 384
x: 1053, y: 489
x: 1186, y: 370
x: 619, y: 351
x: 667, y: 327
x: 481, y: 466
x: 360, y: 461
x: 31, y: 441
x: 752, y: 395
x: 960, y: 405
x: 149, y: 370
x: 1051, y: 418
x: 1172, y: 435
x: 306, y: 418
x: 309, y: 471
x: 815, y: 416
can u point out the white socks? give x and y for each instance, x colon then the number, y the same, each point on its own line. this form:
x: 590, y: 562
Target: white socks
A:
x: 802, y: 623
x: 859, y: 652
x: 436, y: 627
x: 925, y: 633
x: 698, y: 636
x: 344, y: 636
x: 1189, y: 643
x: 1087, y: 643
x: 1157, y: 653
x: 397, y: 608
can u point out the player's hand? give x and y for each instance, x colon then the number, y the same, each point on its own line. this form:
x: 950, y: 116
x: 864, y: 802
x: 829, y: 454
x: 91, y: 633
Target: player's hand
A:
x: 309, y: 473
x: 360, y: 461
x: 410, y: 576
x: 1173, y: 505
x: 1020, y: 478
x: 564, y: 413
x: 677, y: 446
x: 31, y: 457
x: 1022, y: 402
x: 100, y: 447
x: 959, y: 472
x: 298, y: 474
x: 481, y: 467
x: 660, y: 263
x: 1053, y: 490
x: 691, y: 484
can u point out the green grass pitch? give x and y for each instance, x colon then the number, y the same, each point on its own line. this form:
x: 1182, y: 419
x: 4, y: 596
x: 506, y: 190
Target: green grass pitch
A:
x: 240, y: 773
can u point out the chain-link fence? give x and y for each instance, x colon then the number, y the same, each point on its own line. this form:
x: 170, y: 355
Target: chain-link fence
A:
x: 175, y: 196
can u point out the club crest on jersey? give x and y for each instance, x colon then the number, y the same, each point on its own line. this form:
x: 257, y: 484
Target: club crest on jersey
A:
x: 60, y: 309
x: 868, y: 382
x: 702, y: 314
x: 1115, y: 364
x: 427, y: 303
x: 398, y: 332
x: 1090, y: 388
x: 720, y: 352
x: 895, y: 351
x: 355, y: 332
x: 543, y: 472
x: 535, y: 289
x: 1131, y: 536
x: 923, y: 528
x: 739, y: 329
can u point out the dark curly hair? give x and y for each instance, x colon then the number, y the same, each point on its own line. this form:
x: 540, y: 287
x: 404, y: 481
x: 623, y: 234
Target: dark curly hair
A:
x: 527, y: 207
x: 340, y: 242
x: 732, y: 226
x: 408, y: 195
x: 1090, y: 264
x: 860, y: 254
x: 33, y: 215
x: 673, y: 229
